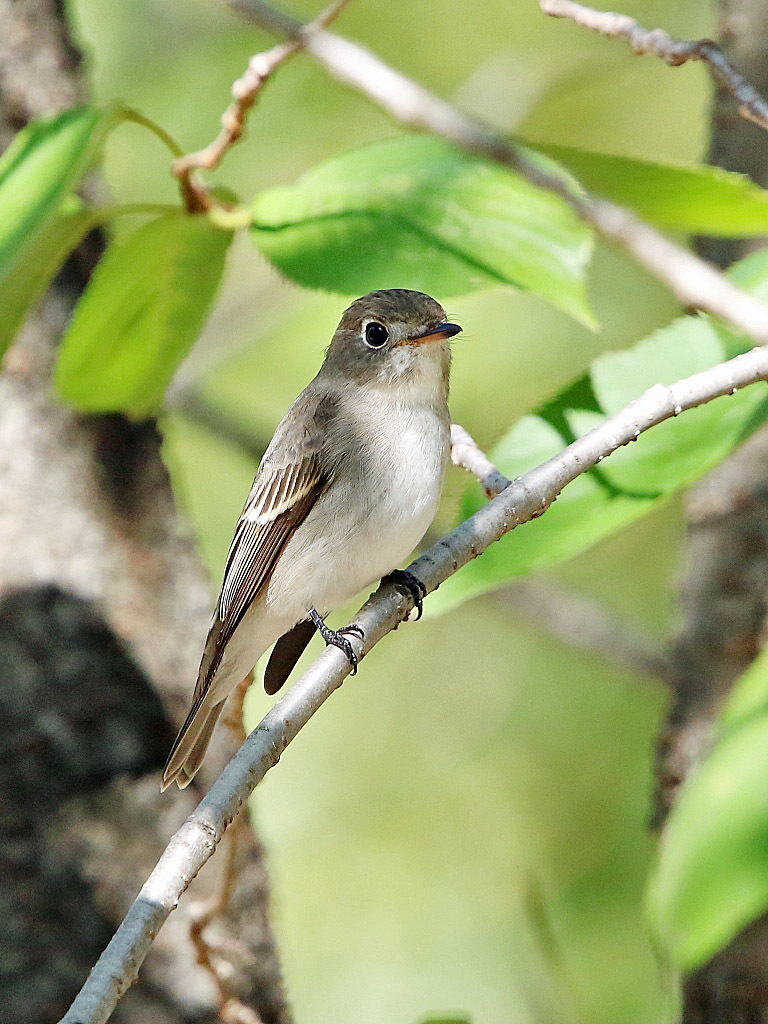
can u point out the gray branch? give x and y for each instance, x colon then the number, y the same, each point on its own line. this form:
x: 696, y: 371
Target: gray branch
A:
x: 674, y: 51
x: 694, y: 282
x: 525, y: 498
x: 586, y: 625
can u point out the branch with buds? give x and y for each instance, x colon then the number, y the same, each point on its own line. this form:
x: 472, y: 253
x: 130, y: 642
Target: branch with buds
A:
x: 695, y: 283
x: 674, y: 52
x: 245, y: 92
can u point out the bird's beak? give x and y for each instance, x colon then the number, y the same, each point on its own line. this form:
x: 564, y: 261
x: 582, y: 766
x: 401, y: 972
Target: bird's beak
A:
x: 437, y: 333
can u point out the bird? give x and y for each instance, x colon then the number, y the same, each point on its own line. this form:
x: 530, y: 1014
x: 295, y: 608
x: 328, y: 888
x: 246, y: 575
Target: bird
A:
x: 347, y: 488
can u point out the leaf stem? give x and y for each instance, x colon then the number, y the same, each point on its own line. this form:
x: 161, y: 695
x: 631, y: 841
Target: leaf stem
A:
x: 226, y: 218
x: 128, y: 114
x: 230, y: 218
x: 102, y: 214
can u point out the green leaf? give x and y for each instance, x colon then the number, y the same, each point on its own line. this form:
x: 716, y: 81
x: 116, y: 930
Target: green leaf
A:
x: 711, y: 878
x: 677, y: 197
x: 413, y: 212
x: 711, y: 875
x: 37, y: 172
x: 635, y: 478
x: 749, y: 697
x: 43, y: 164
x: 35, y: 266
x: 142, y: 310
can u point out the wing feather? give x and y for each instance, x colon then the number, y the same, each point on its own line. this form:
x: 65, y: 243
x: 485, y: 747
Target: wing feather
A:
x: 280, y: 500
x: 294, y: 472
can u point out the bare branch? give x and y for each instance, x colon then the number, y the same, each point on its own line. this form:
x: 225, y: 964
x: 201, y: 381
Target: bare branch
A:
x: 192, y: 404
x: 673, y: 51
x: 245, y: 92
x: 695, y: 283
x: 583, y: 623
x: 524, y: 499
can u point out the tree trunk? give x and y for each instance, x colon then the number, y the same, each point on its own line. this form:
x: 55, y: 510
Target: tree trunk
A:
x: 724, y: 590
x: 103, y: 612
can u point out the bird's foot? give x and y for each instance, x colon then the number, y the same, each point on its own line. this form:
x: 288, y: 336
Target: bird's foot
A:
x: 411, y: 584
x: 337, y: 637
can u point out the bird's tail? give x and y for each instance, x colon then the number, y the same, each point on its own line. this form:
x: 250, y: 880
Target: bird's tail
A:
x: 190, y: 745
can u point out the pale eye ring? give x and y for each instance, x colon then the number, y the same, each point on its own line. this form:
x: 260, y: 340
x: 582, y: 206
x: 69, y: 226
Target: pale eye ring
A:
x: 375, y: 334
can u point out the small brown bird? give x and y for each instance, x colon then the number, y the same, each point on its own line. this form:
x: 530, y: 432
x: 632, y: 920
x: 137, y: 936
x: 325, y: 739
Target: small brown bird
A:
x: 346, y: 490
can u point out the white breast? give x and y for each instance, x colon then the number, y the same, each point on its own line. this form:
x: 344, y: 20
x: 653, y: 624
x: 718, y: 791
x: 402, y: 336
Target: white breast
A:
x: 375, y: 513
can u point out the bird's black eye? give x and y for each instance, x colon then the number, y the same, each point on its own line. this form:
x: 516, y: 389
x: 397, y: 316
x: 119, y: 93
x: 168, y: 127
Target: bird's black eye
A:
x: 376, y: 334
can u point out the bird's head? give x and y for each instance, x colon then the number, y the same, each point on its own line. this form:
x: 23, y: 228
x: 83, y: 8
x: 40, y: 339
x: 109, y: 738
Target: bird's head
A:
x: 392, y: 336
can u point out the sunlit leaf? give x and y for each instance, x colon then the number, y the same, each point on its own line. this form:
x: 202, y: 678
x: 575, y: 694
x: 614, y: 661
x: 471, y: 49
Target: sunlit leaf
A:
x: 749, y: 697
x: 711, y: 878
x: 41, y: 165
x: 35, y: 266
x: 142, y: 310
x: 700, y: 198
x: 635, y: 478
x: 39, y: 169
x: 413, y: 212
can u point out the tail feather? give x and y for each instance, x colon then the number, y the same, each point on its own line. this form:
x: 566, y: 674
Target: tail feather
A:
x: 190, y: 745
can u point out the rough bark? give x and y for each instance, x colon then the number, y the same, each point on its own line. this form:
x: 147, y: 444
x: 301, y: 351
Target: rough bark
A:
x: 735, y: 143
x: 723, y: 591
x: 103, y: 611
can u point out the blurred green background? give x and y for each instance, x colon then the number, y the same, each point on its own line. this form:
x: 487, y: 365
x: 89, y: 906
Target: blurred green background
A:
x: 463, y: 828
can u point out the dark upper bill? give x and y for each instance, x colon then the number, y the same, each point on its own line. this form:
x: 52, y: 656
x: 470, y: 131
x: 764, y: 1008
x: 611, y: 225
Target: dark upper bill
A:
x: 436, y: 333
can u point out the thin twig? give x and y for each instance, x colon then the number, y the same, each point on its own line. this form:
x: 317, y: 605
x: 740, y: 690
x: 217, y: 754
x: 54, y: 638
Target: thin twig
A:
x: 202, y: 914
x: 585, y: 624
x: 231, y: 1010
x: 245, y: 92
x: 189, y: 402
x: 526, y: 497
x: 466, y: 454
x: 695, y: 283
x: 674, y: 51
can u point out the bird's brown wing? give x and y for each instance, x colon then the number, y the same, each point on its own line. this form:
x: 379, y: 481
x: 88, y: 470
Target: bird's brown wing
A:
x: 291, y: 477
x: 279, y: 501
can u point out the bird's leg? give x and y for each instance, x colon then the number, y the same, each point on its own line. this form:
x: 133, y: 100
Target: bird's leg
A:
x: 337, y: 636
x: 411, y: 584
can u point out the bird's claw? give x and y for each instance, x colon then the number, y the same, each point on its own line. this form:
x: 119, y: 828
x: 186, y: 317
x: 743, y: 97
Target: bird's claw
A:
x: 410, y: 583
x: 353, y: 629
x: 337, y: 638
